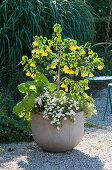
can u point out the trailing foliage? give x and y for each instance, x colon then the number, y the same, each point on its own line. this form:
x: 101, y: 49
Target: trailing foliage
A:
x: 21, y: 20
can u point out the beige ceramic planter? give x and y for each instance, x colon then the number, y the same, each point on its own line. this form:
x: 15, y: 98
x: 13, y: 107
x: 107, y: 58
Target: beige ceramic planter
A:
x: 53, y: 140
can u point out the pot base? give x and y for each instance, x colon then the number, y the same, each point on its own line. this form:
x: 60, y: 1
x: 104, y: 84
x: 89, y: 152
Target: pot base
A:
x: 52, y: 140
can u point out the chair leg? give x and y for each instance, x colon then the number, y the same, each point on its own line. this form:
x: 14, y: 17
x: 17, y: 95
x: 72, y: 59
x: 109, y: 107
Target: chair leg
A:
x: 106, y: 105
x: 110, y: 99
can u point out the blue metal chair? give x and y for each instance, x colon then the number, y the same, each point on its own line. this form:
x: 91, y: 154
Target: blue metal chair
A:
x: 108, y: 98
x: 104, y: 50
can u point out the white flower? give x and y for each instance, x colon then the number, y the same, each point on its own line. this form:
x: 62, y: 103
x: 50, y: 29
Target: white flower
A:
x: 50, y: 113
x: 74, y: 113
x: 59, y: 115
x: 58, y: 123
x: 38, y: 100
x: 58, y: 128
x: 65, y: 118
x: 77, y: 108
x: 67, y: 113
x: 71, y: 112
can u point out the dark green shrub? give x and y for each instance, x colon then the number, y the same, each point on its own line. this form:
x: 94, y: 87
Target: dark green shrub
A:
x: 13, y: 129
x: 21, y: 20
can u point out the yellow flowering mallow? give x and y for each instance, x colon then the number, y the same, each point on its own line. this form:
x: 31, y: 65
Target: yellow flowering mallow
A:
x: 66, y: 89
x: 91, y: 75
x: 34, y: 51
x: 100, y: 67
x: 22, y: 63
x: 37, y: 56
x: 35, y: 43
x: 33, y: 76
x: 90, y: 52
x: 72, y: 48
x: 71, y: 72
x: 32, y: 65
x: 28, y: 74
x: 44, y: 54
x: 65, y: 68
x: 79, y: 58
x: 48, y: 49
x: 83, y: 54
x: 53, y: 66
x: 87, y: 87
x: 42, y: 51
x: 76, y: 47
x: 84, y: 75
x: 71, y: 65
x: 63, y: 86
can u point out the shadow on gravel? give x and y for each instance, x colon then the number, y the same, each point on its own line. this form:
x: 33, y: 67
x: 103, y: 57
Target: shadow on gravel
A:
x: 37, y: 159
x: 29, y: 156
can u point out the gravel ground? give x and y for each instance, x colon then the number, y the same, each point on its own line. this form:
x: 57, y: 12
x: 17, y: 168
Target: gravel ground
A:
x: 94, y: 152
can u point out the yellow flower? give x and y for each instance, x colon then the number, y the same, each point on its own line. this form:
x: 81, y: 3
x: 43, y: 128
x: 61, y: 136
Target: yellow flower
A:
x: 79, y: 58
x: 83, y: 54
x: 66, y: 89
x: 74, y: 105
x: 3, y: 150
x: 57, y: 34
x: 90, y: 52
x: 48, y: 49
x: 28, y: 74
x: 71, y: 65
x: 72, y: 48
x: 66, y: 71
x: 34, y: 51
x: 91, y: 75
x: 83, y: 75
x: 22, y: 63
x: 42, y: 51
x: 77, y: 47
x: 33, y: 76
x: 53, y: 66
x: 44, y: 54
x: 100, y: 67
x: 32, y: 65
x: 71, y: 72
x: 37, y: 56
x: 65, y: 68
x: 87, y: 87
x: 63, y: 85
x: 35, y: 43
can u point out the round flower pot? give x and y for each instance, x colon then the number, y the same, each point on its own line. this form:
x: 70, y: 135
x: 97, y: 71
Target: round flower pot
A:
x: 53, y: 140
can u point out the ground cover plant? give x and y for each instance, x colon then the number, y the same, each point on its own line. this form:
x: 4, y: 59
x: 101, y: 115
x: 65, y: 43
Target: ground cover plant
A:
x: 21, y: 20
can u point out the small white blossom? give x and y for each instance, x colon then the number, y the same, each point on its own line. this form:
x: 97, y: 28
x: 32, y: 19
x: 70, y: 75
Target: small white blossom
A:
x: 58, y: 128
x: 77, y: 108
x: 65, y: 118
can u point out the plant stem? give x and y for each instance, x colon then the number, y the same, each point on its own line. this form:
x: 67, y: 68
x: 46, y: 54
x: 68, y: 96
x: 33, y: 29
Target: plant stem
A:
x: 58, y: 80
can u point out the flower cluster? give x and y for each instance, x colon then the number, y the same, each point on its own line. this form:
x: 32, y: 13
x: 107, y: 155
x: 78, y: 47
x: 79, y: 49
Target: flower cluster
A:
x: 56, y: 110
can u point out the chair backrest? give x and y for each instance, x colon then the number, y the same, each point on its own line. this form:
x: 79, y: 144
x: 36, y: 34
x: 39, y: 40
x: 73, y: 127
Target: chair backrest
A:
x: 104, y: 50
